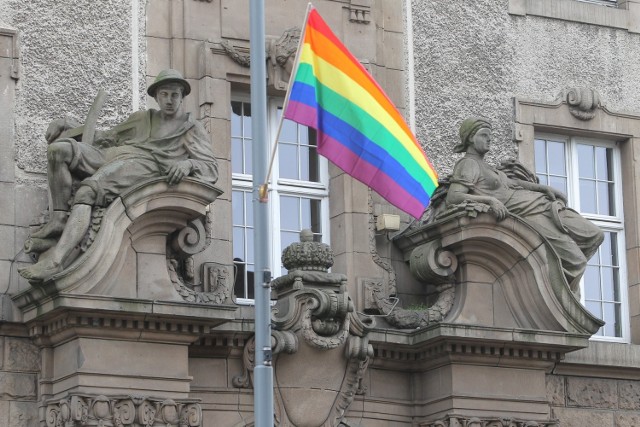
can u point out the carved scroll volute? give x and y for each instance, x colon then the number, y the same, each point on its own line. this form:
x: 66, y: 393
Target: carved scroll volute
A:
x: 191, y: 240
x: 430, y: 263
x: 124, y: 412
x: 191, y: 415
x: 583, y: 102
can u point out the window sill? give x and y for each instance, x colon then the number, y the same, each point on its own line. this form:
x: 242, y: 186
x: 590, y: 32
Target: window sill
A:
x: 626, y: 16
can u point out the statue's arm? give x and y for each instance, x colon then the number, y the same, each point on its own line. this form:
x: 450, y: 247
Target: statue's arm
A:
x: 61, y: 126
x: 203, y: 162
x: 465, y: 174
x: 550, y: 192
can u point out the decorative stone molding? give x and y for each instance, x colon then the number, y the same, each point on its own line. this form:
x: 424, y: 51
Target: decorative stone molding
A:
x: 314, y: 322
x: 359, y: 14
x: 583, y: 102
x: 359, y: 11
x: 80, y: 410
x: 517, y: 262
x: 469, y: 421
x: 139, y: 224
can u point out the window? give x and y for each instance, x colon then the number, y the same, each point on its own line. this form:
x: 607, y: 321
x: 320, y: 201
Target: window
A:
x: 298, y: 191
x: 588, y: 171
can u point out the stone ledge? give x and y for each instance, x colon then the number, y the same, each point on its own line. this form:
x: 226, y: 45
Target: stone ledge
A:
x: 614, y: 360
x: 574, y: 11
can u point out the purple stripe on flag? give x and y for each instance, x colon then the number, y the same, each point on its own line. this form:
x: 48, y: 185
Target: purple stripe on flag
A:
x: 365, y: 172
x: 302, y: 113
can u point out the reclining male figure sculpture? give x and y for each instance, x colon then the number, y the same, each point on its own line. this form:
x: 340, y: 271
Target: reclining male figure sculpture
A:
x: 167, y: 143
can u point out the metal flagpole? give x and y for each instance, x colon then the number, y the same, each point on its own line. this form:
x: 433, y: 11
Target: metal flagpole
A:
x: 263, y: 372
x: 264, y: 188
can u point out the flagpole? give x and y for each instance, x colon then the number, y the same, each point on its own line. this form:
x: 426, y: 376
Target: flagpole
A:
x: 264, y: 188
x: 263, y: 372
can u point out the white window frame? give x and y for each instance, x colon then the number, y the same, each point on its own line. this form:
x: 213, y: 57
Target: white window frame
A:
x: 605, y: 222
x: 283, y: 187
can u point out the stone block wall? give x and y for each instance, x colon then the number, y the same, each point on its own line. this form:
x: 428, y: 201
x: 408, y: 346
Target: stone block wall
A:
x: 19, y: 370
x: 589, y: 401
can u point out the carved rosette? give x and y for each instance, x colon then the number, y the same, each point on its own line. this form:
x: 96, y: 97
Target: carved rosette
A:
x: 118, y: 411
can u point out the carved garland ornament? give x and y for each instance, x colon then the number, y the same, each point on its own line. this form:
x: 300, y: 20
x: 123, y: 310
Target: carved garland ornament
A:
x: 118, y: 411
x: 466, y: 421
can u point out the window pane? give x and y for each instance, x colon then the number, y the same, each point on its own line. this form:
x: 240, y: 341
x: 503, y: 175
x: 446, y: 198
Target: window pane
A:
x: 288, y: 155
x: 592, y: 283
x: 290, y: 213
x: 609, y: 291
x: 604, y: 200
x: 248, y: 206
x: 304, y: 163
x: 238, y: 244
x: 595, y: 308
x: 288, y: 237
x: 587, y: 196
x: 289, y: 131
x: 540, y: 150
x: 602, y: 163
x: 237, y: 155
x: 236, y: 118
x: 246, y: 122
x: 558, y: 183
x: 248, y: 159
x: 556, y: 158
x: 611, y: 316
x: 250, y: 250
x: 585, y: 161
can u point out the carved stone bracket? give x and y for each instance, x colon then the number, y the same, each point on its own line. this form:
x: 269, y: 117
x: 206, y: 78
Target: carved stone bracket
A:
x: 79, y: 410
x: 583, y: 102
x: 467, y: 421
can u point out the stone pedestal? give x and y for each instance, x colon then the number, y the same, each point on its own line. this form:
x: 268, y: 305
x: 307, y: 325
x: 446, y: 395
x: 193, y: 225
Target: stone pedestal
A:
x: 114, y: 327
x: 513, y: 317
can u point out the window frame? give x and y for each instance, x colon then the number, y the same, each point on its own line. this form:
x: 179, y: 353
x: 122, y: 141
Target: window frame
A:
x: 608, y: 223
x: 282, y: 187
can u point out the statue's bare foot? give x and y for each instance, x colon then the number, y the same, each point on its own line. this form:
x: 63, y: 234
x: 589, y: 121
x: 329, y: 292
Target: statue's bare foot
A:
x: 53, y: 228
x: 41, y: 270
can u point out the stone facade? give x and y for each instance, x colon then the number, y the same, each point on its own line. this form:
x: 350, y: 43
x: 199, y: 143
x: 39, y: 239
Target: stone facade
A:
x: 486, y: 333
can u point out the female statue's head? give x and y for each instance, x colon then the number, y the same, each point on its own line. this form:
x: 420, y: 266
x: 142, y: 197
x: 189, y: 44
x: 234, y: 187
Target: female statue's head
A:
x: 468, y: 130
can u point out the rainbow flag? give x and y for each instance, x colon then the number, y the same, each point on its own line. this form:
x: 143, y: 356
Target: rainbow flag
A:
x: 359, y: 128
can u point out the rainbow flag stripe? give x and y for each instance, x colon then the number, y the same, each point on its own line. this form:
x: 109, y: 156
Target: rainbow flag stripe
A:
x: 359, y: 128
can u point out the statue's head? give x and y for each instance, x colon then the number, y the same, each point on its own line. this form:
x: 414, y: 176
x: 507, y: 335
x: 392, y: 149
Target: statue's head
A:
x: 169, y: 77
x: 468, y: 130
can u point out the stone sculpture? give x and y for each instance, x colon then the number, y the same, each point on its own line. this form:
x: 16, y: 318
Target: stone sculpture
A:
x: 149, y: 144
x: 574, y: 238
x: 314, y: 323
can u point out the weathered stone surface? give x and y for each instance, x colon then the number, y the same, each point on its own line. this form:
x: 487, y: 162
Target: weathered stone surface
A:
x: 591, y: 393
x: 17, y: 386
x: 629, y: 395
x: 570, y: 417
x: 555, y: 390
x: 4, y: 413
x: 21, y: 355
x: 23, y: 414
x: 627, y: 419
